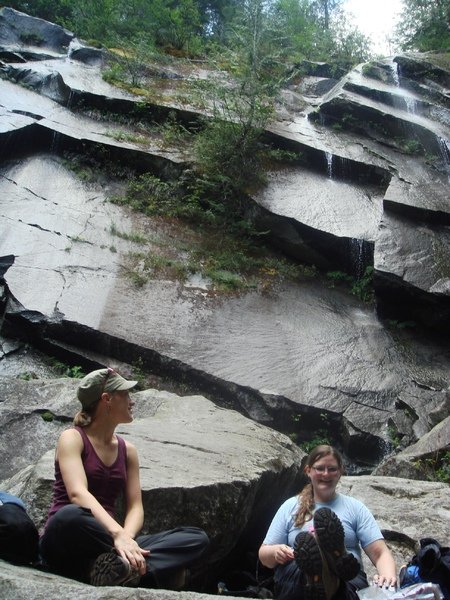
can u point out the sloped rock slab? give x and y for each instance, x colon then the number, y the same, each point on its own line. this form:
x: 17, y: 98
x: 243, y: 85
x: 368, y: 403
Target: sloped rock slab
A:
x: 421, y: 199
x: 19, y: 29
x: 412, y: 260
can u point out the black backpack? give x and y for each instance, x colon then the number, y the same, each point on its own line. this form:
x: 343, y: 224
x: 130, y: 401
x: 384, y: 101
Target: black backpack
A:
x: 433, y: 561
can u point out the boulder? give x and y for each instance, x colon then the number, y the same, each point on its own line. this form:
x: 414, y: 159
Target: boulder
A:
x: 405, y: 510
x: 423, y: 460
x: 200, y: 464
x: 23, y: 583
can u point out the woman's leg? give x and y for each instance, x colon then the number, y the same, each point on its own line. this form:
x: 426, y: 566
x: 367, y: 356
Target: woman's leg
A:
x: 72, y: 540
x: 170, y: 552
x: 288, y: 580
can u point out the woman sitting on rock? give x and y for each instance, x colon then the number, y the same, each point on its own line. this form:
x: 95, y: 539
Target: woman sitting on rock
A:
x: 93, y: 466
x: 314, y: 541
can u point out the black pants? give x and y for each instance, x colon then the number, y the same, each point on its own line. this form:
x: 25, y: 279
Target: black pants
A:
x: 288, y: 579
x: 19, y: 539
x: 73, y: 539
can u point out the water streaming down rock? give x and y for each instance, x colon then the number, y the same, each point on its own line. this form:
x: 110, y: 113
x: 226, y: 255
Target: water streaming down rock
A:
x: 329, y: 157
x: 396, y: 73
x: 358, y: 257
x: 411, y: 105
x: 444, y: 147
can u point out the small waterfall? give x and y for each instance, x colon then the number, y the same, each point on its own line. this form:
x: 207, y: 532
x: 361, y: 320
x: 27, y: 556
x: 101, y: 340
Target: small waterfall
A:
x: 444, y: 147
x: 329, y: 157
x: 70, y: 99
x: 55, y: 142
x: 395, y: 74
x: 411, y: 105
x: 357, y: 257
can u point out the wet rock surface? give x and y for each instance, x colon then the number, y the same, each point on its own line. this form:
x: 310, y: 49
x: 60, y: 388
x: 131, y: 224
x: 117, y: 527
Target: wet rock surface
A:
x: 303, y: 350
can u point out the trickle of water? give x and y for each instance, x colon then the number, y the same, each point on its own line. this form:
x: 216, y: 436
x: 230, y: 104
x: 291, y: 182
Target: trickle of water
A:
x: 395, y: 74
x: 444, y: 147
x: 55, y: 142
x: 411, y: 105
x: 329, y: 157
x: 357, y: 256
x: 70, y: 100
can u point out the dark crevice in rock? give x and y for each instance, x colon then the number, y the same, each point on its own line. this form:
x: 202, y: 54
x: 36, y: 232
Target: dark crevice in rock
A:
x: 27, y: 114
x: 399, y: 300
x: 377, y: 124
x: 415, y: 213
x: 75, y: 344
x: 344, y: 168
x: 37, y: 138
x: 307, y: 244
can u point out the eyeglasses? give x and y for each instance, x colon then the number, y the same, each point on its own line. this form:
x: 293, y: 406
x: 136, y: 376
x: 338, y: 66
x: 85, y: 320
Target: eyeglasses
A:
x: 331, y: 470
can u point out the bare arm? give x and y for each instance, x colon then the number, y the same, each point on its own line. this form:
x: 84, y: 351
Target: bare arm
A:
x: 382, y: 558
x: 69, y: 448
x: 134, y: 517
x: 272, y: 555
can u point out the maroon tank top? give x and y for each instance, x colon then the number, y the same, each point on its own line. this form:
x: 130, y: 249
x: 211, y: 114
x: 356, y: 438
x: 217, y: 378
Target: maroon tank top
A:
x: 105, y: 483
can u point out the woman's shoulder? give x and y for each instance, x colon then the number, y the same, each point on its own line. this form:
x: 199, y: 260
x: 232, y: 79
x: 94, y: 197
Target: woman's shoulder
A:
x: 290, y: 504
x: 71, y: 434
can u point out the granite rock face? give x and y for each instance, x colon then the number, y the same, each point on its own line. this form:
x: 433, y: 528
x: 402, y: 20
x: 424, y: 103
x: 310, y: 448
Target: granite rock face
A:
x: 304, y: 358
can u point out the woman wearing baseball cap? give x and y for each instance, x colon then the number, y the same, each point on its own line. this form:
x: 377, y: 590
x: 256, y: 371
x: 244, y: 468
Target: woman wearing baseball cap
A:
x: 93, y: 467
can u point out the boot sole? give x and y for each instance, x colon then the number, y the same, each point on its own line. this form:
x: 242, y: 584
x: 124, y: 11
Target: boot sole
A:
x: 330, y: 536
x: 110, y: 569
x: 309, y: 561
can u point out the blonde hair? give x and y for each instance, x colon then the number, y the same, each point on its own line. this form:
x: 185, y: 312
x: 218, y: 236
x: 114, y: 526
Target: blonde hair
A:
x: 306, y: 496
x: 84, y: 417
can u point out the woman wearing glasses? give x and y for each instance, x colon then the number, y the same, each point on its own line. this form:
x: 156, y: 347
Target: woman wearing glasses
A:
x: 93, y: 467
x: 314, y: 541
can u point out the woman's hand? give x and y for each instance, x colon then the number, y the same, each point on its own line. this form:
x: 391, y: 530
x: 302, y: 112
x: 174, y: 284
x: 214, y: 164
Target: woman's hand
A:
x: 381, y: 557
x: 128, y: 548
x: 384, y: 581
x: 283, y: 554
x: 272, y: 555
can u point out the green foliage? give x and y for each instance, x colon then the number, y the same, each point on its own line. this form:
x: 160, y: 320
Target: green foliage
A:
x: 320, y: 438
x: 363, y: 288
x: 424, y: 25
x: 394, y: 436
x: 138, y: 238
x: 34, y: 39
x: 67, y: 371
x: 410, y: 146
x: 48, y: 416
x: 435, y: 467
x: 339, y: 276
x: 56, y: 11
x: 27, y: 375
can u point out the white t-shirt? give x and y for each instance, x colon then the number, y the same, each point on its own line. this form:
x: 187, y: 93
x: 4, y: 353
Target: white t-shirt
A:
x: 359, y: 524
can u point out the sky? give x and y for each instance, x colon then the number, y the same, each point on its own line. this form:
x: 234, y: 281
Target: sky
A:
x: 376, y: 19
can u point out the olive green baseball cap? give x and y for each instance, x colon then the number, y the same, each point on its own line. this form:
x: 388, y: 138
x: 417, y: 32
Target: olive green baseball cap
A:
x: 95, y: 383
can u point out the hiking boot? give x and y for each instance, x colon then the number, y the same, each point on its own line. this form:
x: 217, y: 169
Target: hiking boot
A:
x: 320, y: 583
x: 111, y: 569
x: 330, y: 537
